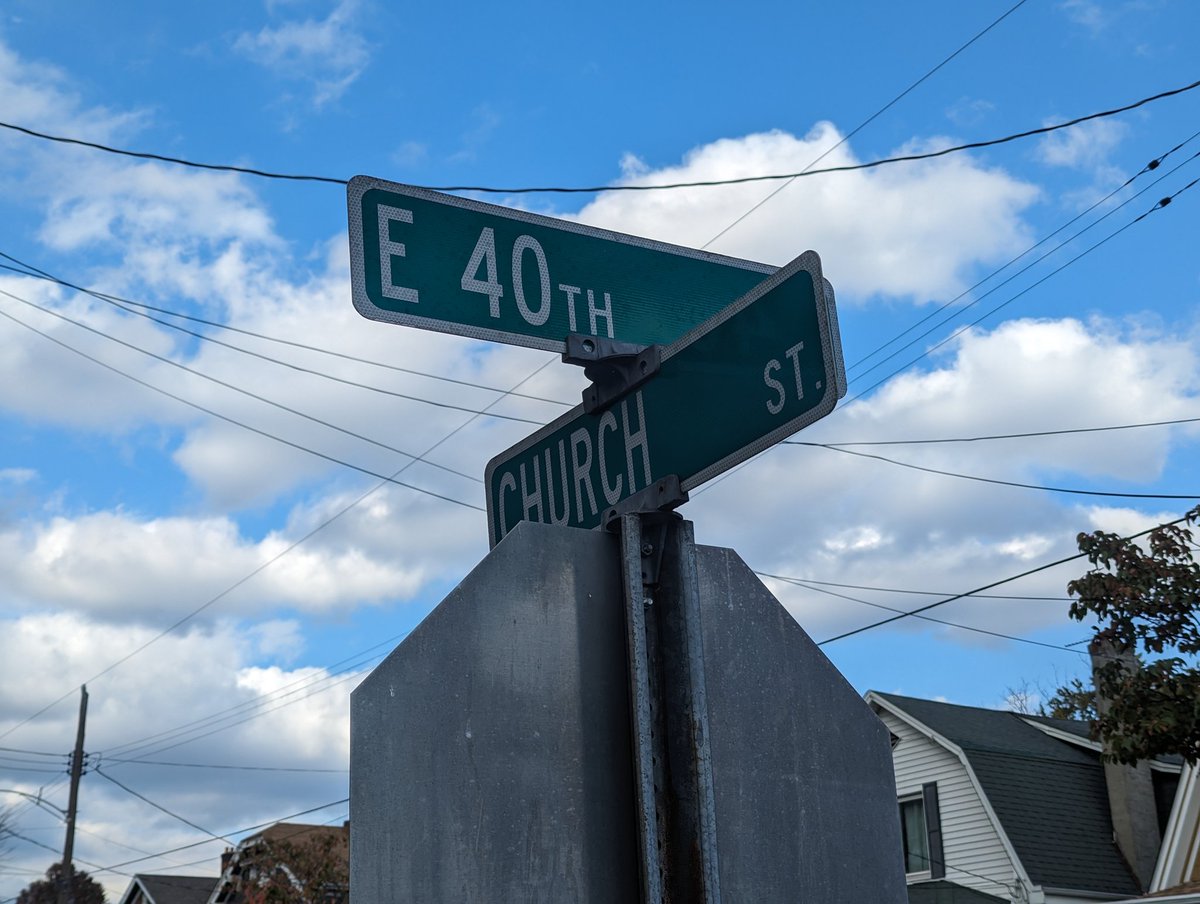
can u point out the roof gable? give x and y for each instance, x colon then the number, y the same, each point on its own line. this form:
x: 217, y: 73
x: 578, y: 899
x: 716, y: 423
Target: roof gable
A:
x: 174, y: 889
x: 1048, y: 794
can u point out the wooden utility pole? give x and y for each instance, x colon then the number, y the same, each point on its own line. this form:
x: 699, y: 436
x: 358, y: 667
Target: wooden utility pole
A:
x: 66, y: 891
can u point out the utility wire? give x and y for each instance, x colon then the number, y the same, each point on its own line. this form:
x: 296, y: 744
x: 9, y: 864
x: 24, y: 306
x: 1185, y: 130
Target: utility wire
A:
x: 1159, y: 205
x: 95, y: 866
x: 39, y: 761
x: 160, y: 807
x: 1026, y: 435
x: 867, y: 121
x: 937, y: 621
x: 982, y: 596
x: 595, y: 189
x: 235, y: 388
x: 209, y: 411
x: 929, y: 618
x: 973, y: 302
x: 31, y: 769
x: 331, y: 682
x: 224, y: 766
x: 349, y: 663
x: 262, y: 825
x: 993, y: 480
x: 140, y: 308
x: 291, y: 366
x: 31, y: 752
x: 1149, y: 167
x: 958, y: 596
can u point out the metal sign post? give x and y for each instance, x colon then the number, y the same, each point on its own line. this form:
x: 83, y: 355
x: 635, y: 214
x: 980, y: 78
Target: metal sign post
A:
x: 676, y: 814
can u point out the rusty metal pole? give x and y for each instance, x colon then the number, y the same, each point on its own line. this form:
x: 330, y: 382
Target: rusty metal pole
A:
x: 675, y: 808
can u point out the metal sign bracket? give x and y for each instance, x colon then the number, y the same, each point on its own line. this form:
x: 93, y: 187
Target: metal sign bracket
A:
x: 614, y: 367
x: 654, y: 504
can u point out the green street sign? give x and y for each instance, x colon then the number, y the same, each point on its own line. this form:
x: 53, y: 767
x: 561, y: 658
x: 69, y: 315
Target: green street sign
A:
x: 753, y: 374
x: 439, y: 262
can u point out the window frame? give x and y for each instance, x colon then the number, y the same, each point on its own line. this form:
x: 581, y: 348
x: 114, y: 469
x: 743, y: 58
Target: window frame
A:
x: 909, y: 799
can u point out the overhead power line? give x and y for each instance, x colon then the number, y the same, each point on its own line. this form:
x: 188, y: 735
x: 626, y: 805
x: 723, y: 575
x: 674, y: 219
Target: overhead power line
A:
x: 958, y: 596
x: 227, y: 766
x: 1158, y: 205
x: 231, y: 420
x: 854, y: 599
x: 595, y: 189
x: 160, y: 807
x: 993, y: 480
x: 125, y: 304
x: 329, y: 682
x: 349, y: 663
x: 866, y: 122
x: 31, y: 752
x: 238, y: 389
x: 57, y: 853
x: 262, y: 825
x: 260, y: 356
x: 1149, y: 167
x: 982, y: 596
x: 1025, y: 435
x: 979, y: 299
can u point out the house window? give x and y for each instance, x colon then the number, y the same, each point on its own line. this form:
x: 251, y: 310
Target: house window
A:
x: 915, y: 835
x: 921, y: 832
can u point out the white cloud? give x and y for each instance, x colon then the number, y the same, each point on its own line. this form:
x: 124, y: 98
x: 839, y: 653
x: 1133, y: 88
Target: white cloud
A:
x: 914, y: 230
x: 40, y: 96
x: 207, y: 688
x: 1088, y: 13
x: 968, y: 111
x: 328, y: 53
x: 152, y: 206
x: 825, y: 515
x: 117, y: 567
x: 1086, y: 144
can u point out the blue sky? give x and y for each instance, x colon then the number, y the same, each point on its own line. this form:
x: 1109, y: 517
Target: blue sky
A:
x: 123, y: 510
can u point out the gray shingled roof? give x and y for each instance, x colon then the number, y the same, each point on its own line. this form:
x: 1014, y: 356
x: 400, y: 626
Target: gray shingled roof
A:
x: 942, y: 892
x: 178, y: 889
x: 1048, y: 794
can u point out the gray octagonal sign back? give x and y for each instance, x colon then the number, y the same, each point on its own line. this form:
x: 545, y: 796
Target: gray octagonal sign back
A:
x: 491, y: 755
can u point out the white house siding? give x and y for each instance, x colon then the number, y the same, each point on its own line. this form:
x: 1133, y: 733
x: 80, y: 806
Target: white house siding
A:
x: 971, y: 846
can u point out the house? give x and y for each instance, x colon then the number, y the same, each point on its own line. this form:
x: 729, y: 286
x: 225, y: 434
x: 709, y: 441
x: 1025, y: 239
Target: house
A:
x: 146, y: 889
x: 312, y: 862
x: 998, y: 806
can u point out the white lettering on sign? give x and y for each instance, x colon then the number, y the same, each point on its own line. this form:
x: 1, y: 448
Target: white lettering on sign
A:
x: 389, y: 249
x: 776, y: 405
x: 605, y: 312
x: 612, y: 491
x: 542, y: 314
x: 484, y: 253
x: 557, y: 484
x: 483, y: 258
x: 571, y: 292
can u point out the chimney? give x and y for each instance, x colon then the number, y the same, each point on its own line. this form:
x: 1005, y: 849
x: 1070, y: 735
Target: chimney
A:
x: 1130, y: 788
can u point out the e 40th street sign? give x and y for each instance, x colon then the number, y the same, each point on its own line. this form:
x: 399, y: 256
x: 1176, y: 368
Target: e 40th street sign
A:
x: 425, y: 259
x: 758, y: 371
